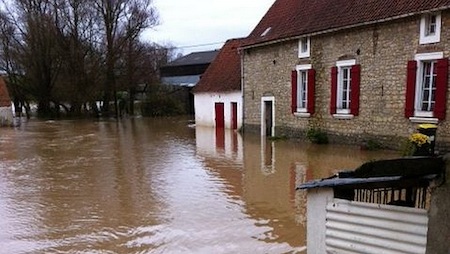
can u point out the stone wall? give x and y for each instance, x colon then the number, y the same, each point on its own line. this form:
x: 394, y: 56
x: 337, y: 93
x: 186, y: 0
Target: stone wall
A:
x: 382, y: 50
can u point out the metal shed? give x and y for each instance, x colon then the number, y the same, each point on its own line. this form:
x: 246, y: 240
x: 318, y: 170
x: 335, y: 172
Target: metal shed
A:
x: 381, y: 207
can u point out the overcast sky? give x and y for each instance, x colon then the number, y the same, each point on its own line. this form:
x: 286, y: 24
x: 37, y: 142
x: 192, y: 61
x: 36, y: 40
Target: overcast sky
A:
x: 187, y: 23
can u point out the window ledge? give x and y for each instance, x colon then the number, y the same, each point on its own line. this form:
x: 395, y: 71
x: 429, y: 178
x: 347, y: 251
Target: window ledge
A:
x: 303, y: 55
x: 429, y: 40
x: 302, y: 114
x: 424, y: 120
x: 343, y: 116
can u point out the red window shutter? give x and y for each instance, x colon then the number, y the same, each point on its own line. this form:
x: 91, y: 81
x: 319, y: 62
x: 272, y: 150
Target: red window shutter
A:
x: 410, y: 88
x: 311, y: 91
x: 441, y: 89
x: 294, y: 91
x: 354, y: 85
x: 333, y: 99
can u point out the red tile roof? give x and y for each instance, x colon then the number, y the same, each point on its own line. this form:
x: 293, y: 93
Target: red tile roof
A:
x: 290, y: 18
x: 224, y: 73
x: 5, y: 101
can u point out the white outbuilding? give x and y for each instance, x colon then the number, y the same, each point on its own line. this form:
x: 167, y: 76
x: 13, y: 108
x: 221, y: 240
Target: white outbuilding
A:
x: 218, y: 96
x: 6, y: 112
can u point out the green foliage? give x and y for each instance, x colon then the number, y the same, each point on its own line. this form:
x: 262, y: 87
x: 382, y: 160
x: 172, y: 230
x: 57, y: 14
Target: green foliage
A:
x: 317, y: 136
x: 163, y: 101
x: 277, y: 138
x: 373, y: 145
x: 407, y: 148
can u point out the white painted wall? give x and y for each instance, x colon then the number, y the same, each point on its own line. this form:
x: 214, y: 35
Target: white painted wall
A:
x: 204, y: 104
x: 6, y: 116
x: 316, y: 214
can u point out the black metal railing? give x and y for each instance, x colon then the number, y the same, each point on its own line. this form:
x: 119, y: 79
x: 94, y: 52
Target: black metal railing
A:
x: 417, y: 197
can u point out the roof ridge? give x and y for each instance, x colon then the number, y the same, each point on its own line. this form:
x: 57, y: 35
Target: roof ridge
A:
x: 289, y: 19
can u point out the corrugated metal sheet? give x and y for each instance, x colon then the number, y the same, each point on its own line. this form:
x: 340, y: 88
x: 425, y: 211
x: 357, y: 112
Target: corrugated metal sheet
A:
x: 356, y: 227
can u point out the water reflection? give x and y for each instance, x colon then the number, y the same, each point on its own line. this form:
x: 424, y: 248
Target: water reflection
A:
x: 267, y: 156
x: 156, y: 186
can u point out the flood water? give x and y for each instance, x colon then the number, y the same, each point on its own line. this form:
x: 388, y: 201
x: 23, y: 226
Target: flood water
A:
x: 156, y: 186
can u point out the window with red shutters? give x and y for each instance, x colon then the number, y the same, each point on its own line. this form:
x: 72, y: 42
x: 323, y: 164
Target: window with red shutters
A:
x: 426, y: 87
x: 334, y: 83
x: 410, y: 88
x: 294, y: 91
x: 311, y: 91
x: 354, y: 94
x: 441, y: 89
x: 345, y: 88
x: 303, y: 90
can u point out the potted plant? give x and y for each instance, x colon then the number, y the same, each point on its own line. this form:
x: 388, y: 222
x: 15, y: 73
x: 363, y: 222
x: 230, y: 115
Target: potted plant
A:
x: 421, y: 144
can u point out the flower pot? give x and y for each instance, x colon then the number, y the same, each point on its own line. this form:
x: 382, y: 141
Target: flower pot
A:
x: 423, y: 150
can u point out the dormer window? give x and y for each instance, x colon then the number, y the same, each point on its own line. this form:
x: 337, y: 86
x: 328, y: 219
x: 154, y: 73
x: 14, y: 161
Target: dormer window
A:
x: 430, y: 28
x: 430, y: 25
x: 304, y: 47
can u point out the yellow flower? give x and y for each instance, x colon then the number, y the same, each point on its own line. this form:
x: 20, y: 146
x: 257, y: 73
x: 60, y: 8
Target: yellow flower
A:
x: 419, y: 139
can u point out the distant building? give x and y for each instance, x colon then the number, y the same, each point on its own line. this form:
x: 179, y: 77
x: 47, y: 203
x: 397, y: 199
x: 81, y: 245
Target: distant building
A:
x: 186, y: 70
x: 6, y: 113
x: 184, y: 73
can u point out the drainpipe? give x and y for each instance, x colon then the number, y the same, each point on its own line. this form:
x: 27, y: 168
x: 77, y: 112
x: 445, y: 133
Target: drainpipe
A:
x: 241, y: 54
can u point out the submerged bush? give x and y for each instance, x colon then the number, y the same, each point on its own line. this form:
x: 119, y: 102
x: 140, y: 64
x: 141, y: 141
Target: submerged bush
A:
x: 161, y: 107
x: 371, y: 145
x: 317, y: 136
x: 276, y: 138
x: 165, y: 101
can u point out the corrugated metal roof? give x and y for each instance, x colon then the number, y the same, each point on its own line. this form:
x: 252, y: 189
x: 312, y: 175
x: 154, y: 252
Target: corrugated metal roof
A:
x: 412, y: 169
x: 204, y: 57
x: 336, y: 182
x: 181, y: 80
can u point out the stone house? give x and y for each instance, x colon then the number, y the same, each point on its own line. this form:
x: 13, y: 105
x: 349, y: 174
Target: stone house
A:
x: 218, y: 95
x: 6, y: 112
x: 357, y: 70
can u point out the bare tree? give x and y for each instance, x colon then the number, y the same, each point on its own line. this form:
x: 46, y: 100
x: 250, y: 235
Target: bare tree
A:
x: 122, y: 22
x: 141, y: 63
x: 39, y: 55
x: 9, y: 65
x: 59, y: 51
x: 81, y: 69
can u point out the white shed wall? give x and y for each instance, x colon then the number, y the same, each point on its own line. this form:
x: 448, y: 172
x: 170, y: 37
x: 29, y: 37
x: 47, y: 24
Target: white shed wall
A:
x: 6, y: 116
x: 316, y: 213
x: 204, y: 104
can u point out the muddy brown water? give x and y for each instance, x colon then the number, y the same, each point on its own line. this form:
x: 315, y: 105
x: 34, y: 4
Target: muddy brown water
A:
x: 156, y: 186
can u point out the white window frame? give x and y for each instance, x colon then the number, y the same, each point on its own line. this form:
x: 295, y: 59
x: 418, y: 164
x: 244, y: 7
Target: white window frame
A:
x: 265, y: 99
x: 301, y: 43
x: 433, y: 38
x: 300, y: 111
x: 420, y: 58
x: 341, y: 65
